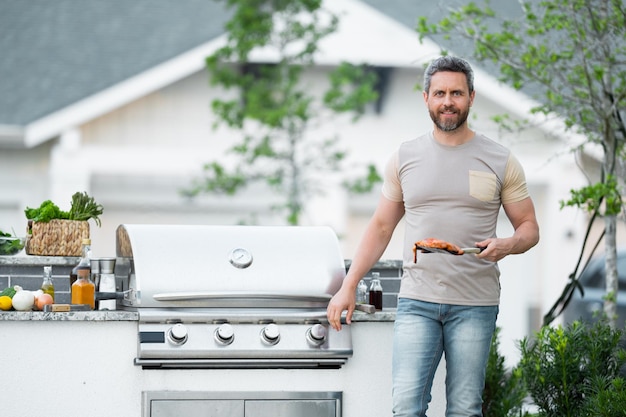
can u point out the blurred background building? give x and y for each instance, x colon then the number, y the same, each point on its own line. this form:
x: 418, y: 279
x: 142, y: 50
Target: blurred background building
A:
x: 113, y: 98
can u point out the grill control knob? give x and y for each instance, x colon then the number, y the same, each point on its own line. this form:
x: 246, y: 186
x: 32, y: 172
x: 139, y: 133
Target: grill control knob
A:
x: 270, y: 334
x: 316, y: 335
x: 178, y: 334
x: 224, y: 334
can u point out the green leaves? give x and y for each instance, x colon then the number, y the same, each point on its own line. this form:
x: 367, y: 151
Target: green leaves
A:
x: 504, y: 391
x: 603, y: 195
x: 83, y: 207
x: 607, y: 399
x: 271, y: 106
x: 366, y: 183
x: 561, y: 367
x: 219, y: 180
x: 46, y: 211
x: 351, y: 88
x: 10, y: 246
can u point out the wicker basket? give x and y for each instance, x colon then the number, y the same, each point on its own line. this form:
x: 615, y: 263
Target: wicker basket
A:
x: 56, y: 237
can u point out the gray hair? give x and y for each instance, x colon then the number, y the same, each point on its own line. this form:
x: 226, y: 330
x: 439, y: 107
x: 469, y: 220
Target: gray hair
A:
x: 451, y: 64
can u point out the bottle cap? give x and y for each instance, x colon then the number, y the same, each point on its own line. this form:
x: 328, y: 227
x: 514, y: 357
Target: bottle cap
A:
x: 81, y: 272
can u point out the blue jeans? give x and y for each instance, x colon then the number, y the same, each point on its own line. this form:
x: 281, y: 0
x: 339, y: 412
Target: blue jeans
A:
x: 422, y: 333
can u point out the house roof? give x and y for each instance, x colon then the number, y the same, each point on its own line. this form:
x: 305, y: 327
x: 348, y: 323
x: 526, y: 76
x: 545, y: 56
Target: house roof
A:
x: 56, y: 54
x: 65, y: 62
x: 407, y: 12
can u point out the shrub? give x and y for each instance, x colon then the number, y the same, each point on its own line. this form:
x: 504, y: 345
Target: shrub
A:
x: 574, y: 371
x: 504, y: 392
x: 607, y: 398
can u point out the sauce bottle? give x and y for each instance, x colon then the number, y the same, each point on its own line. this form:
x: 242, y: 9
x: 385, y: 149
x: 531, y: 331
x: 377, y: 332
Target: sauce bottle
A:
x: 84, y: 260
x: 376, y: 291
x: 47, y: 287
x: 84, y: 290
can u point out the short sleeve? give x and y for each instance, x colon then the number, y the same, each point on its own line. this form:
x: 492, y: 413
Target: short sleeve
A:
x: 514, y: 188
x: 392, y: 188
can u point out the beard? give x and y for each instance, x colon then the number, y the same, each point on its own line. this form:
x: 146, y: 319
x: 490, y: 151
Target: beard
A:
x: 448, y: 124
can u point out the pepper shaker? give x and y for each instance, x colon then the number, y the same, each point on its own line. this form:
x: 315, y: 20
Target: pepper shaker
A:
x: 361, y: 293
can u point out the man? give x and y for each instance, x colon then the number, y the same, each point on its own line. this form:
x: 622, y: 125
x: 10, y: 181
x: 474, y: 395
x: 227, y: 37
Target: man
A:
x: 448, y: 184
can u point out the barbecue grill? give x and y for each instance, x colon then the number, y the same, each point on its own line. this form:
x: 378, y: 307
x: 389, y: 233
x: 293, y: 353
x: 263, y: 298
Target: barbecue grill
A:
x: 232, y: 296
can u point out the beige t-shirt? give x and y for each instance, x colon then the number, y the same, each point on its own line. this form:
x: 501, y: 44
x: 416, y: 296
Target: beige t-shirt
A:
x: 453, y: 193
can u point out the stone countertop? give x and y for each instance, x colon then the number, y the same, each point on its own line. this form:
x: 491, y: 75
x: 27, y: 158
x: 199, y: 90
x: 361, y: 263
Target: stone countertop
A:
x: 388, y: 314
x: 31, y: 260
x: 104, y: 315
x: 121, y: 315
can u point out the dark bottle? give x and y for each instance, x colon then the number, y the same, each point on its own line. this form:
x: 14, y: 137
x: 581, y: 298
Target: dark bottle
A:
x: 376, y: 291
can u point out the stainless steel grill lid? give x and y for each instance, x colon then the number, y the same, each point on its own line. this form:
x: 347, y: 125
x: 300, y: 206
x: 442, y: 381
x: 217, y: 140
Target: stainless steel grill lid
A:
x: 213, y: 266
x: 232, y: 296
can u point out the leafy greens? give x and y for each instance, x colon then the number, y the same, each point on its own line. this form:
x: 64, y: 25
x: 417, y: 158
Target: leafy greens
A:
x: 10, y: 246
x: 83, y: 207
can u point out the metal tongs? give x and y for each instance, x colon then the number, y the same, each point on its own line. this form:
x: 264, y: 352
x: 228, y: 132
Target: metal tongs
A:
x: 426, y: 249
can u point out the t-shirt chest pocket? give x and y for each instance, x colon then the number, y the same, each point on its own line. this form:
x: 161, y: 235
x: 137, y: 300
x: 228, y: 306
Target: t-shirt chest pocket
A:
x: 482, y: 185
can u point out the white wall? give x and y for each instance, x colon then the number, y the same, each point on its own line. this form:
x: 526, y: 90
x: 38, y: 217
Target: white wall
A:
x: 24, y: 181
x: 86, y: 368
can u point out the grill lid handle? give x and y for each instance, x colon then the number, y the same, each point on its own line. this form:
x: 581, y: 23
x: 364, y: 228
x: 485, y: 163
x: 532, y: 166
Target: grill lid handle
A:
x: 208, y: 295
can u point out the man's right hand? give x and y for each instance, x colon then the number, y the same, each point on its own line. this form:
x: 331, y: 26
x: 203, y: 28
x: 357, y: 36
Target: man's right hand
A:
x: 344, y: 299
